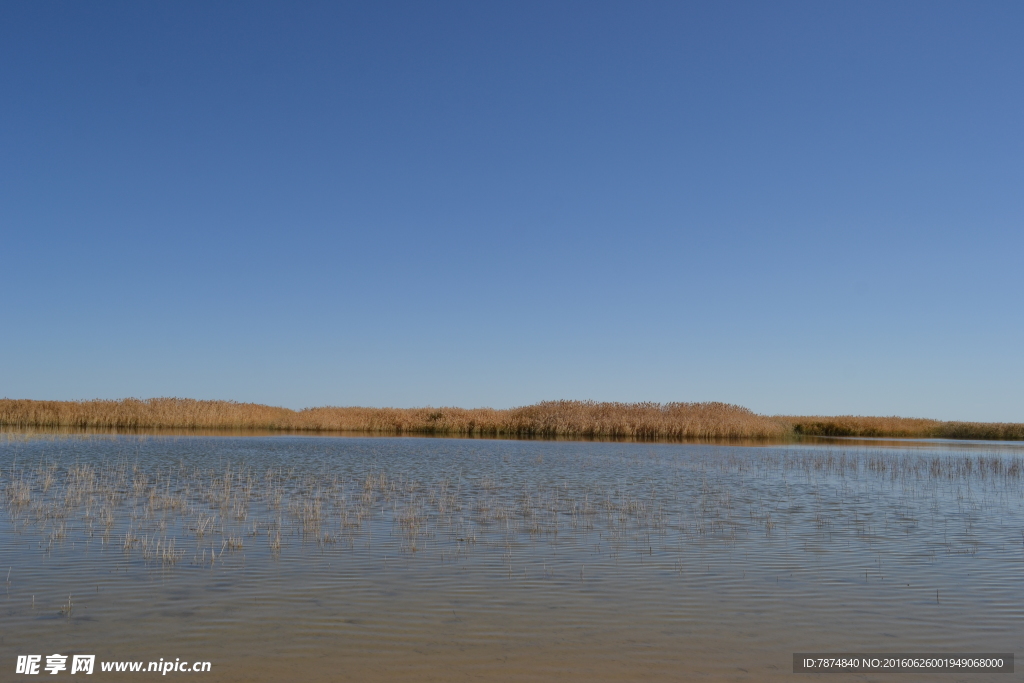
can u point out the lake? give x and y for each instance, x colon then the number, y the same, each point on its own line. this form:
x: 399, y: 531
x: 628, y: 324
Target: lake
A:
x: 279, y: 558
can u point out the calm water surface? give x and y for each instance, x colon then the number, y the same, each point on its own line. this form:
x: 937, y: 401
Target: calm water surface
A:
x: 380, y: 559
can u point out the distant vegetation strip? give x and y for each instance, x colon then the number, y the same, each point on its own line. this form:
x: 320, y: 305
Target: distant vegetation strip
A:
x: 548, y: 419
x: 581, y: 419
x: 855, y: 425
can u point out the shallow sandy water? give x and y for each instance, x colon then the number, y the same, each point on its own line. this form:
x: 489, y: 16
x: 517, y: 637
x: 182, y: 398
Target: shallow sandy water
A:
x: 440, y: 559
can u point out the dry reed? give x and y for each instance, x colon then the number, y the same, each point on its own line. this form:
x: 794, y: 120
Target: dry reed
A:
x: 581, y: 419
x: 549, y: 419
x: 902, y: 427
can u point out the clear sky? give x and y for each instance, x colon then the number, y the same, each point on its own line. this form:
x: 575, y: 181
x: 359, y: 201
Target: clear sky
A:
x: 797, y: 207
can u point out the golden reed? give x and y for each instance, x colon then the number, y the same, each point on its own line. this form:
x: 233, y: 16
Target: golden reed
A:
x: 855, y: 425
x: 579, y: 419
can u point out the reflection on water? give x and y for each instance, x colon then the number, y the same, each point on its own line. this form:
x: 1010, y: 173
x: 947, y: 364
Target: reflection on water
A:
x: 288, y: 558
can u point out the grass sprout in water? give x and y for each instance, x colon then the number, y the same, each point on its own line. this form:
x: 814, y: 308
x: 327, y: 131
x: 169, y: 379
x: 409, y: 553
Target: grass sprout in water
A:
x: 160, y: 513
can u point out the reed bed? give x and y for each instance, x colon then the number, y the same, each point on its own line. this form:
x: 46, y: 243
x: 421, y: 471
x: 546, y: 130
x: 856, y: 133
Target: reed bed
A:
x: 579, y: 419
x: 902, y: 427
x: 549, y: 419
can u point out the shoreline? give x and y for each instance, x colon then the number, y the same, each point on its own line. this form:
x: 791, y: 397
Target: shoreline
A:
x: 549, y: 420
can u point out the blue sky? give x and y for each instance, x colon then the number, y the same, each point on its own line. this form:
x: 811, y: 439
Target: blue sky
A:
x: 797, y: 207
